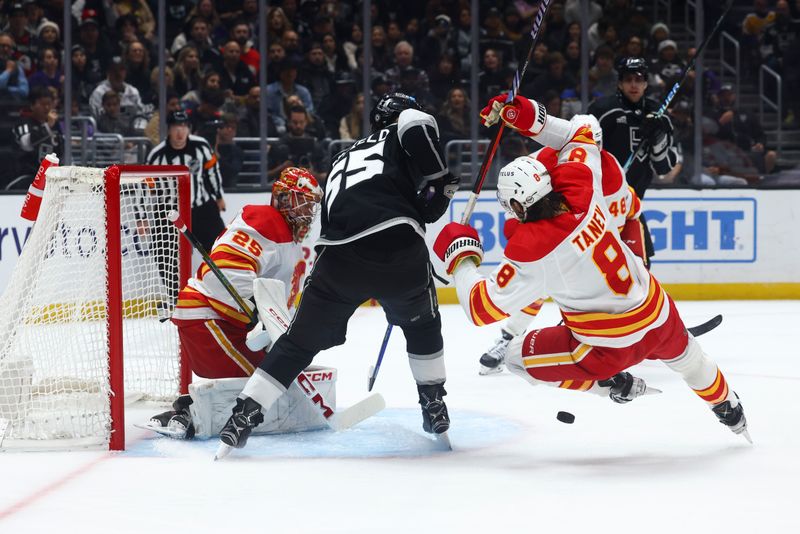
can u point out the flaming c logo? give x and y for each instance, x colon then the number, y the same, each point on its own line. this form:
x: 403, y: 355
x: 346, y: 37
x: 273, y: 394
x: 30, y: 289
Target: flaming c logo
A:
x: 511, y: 114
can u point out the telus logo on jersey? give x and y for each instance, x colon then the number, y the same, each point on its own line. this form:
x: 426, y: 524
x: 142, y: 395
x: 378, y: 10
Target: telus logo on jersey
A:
x: 702, y: 230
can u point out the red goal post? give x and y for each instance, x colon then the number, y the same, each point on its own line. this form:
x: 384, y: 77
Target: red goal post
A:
x: 85, y: 317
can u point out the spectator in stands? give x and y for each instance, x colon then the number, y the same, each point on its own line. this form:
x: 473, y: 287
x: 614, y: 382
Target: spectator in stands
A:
x: 667, y: 68
x: 724, y: 163
x: 49, y: 74
x: 48, y: 34
x: 555, y: 79
x: 291, y: 46
x: 240, y: 32
x: 277, y: 24
x: 206, y: 9
x: 139, y: 12
x: 230, y: 155
x: 34, y: 13
x: 151, y: 131
x: 394, y: 34
x: 744, y: 130
x: 235, y: 76
x: 211, y: 80
x: 335, y: 58
x: 314, y: 75
x: 494, y: 77
x: 604, y: 32
x: 199, y: 37
x: 552, y: 103
x: 381, y: 60
x: 351, y: 44
x: 572, y: 12
x: 572, y: 56
x: 454, y: 118
x: 97, y: 49
x: 618, y: 13
x: 556, y: 33
x: 36, y: 135
x: 13, y: 83
x: 321, y: 25
x: 338, y: 104
x: 633, y: 47
x: 250, y: 117
x: 437, y: 43
x: 22, y: 35
x: 84, y: 80
x: 538, y: 64
x: 137, y: 64
x: 155, y: 87
x: 659, y: 32
x: 177, y: 15
x: 298, y: 146
x: 380, y: 86
x: 412, y: 32
x: 513, y: 25
x: 276, y: 55
x: 111, y: 119
x: 126, y: 32
x: 403, y: 59
x: 444, y: 77
x: 570, y: 103
x: 573, y: 33
x: 753, y: 27
x: 282, y: 88
x: 602, y: 76
x: 187, y: 70
x: 350, y: 124
x: 463, y: 39
x: 132, y: 105
x: 207, y: 118
x: 315, y: 127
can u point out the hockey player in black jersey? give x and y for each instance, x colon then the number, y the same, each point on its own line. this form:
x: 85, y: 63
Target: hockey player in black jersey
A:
x: 379, y: 195
x: 627, y: 119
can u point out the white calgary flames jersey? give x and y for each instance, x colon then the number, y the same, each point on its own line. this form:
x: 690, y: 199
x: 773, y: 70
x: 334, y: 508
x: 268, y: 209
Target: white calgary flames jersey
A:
x: 606, y: 295
x: 257, y: 243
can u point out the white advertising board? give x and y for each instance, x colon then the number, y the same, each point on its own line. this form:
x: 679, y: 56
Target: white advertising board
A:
x: 709, y: 243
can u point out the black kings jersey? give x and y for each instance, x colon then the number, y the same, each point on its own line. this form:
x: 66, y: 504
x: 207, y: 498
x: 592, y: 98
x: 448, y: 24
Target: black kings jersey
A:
x: 373, y: 185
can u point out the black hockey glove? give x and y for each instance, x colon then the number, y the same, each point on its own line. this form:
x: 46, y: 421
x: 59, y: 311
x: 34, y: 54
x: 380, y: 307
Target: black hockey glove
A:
x: 654, y: 128
x: 434, y: 198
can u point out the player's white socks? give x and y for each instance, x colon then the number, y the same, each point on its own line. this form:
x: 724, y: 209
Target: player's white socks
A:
x: 428, y: 368
x: 263, y: 389
x: 702, y: 374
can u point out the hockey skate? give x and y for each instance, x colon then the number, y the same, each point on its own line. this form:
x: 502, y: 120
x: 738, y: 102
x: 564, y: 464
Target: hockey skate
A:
x: 492, y: 360
x: 246, y: 416
x: 733, y: 417
x: 175, y: 423
x: 435, y: 419
x: 625, y: 387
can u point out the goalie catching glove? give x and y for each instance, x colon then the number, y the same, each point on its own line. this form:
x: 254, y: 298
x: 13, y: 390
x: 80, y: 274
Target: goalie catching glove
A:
x: 526, y: 116
x: 457, y: 242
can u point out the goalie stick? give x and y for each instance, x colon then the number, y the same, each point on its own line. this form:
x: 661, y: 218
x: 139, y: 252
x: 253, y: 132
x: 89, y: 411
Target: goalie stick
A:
x: 676, y: 87
x: 337, y: 421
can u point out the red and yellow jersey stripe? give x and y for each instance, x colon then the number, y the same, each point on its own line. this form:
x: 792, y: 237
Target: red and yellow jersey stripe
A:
x: 192, y: 300
x: 227, y: 257
x: 577, y: 385
x: 482, y: 310
x: 533, y: 309
x: 618, y: 325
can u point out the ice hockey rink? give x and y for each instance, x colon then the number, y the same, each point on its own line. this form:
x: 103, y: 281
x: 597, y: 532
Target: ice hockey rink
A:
x: 659, y: 464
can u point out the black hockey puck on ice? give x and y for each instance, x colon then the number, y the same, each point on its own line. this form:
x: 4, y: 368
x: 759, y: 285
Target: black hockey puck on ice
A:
x: 565, y: 417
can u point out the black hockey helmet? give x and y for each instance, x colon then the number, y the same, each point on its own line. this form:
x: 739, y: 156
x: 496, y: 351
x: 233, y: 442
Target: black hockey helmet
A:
x: 389, y: 108
x: 632, y: 64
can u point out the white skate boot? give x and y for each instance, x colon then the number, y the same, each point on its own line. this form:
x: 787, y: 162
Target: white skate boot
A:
x: 492, y: 360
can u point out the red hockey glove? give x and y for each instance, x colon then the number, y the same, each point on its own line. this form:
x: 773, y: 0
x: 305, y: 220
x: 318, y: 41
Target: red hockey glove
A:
x: 490, y: 114
x: 457, y: 242
x: 526, y: 116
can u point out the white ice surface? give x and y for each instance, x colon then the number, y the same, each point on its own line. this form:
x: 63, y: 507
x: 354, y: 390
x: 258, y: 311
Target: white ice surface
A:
x: 659, y: 464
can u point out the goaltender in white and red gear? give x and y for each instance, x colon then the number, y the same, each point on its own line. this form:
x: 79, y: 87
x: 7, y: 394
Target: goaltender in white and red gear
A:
x: 624, y: 207
x: 561, y: 244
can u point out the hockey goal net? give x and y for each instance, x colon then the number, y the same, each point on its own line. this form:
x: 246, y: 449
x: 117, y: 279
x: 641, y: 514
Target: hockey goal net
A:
x: 84, y: 318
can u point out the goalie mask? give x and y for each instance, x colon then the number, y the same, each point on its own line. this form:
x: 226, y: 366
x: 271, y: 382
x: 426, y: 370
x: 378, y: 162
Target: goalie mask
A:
x: 521, y: 184
x: 297, y: 196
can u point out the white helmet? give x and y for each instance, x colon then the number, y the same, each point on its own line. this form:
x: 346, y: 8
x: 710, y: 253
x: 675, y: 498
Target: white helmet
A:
x: 594, y: 124
x: 525, y: 180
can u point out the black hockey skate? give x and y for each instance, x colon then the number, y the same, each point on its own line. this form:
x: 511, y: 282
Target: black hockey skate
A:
x: 175, y: 423
x: 435, y: 418
x: 492, y: 360
x: 246, y: 416
x: 625, y: 387
x: 733, y: 417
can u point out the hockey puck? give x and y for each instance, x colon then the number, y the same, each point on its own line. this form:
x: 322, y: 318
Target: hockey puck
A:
x: 565, y: 417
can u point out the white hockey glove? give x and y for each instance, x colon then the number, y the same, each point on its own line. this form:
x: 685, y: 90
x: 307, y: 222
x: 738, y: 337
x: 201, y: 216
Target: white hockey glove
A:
x: 258, y: 338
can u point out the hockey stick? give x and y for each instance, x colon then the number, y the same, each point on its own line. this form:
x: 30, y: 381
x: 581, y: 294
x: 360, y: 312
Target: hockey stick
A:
x: 515, y: 85
x: 706, y: 327
x: 377, y: 366
x: 676, y: 87
x: 337, y: 421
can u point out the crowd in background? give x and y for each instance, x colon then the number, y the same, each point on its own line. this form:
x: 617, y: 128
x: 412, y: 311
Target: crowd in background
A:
x: 315, y: 67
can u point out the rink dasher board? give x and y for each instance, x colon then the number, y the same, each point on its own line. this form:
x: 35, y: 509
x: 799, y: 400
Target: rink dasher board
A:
x: 710, y: 244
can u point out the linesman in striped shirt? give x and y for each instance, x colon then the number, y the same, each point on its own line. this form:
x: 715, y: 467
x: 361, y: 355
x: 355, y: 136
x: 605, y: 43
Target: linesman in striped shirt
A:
x: 182, y: 148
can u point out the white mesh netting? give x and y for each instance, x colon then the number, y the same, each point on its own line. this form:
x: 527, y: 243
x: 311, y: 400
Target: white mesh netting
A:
x: 54, y: 371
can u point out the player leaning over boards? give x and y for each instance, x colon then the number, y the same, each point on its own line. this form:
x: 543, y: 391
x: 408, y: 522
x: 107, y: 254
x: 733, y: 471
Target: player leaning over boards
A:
x: 615, y: 312
x: 378, y: 197
x: 625, y: 208
x: 262, y: 241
